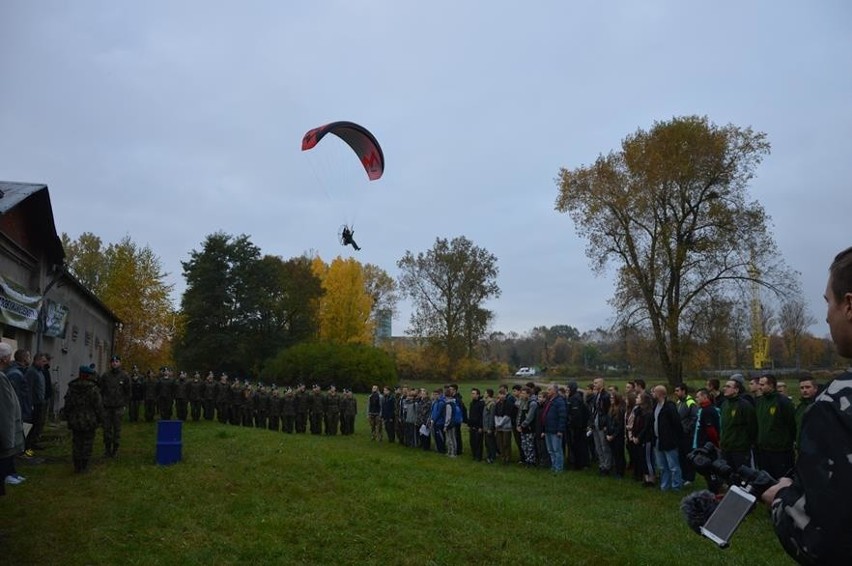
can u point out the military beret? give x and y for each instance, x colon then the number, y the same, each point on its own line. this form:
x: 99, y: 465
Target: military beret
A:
x: 87, y: 370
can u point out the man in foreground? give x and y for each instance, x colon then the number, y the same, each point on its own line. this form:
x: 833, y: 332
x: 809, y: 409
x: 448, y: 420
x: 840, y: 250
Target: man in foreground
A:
x: 812, y: 512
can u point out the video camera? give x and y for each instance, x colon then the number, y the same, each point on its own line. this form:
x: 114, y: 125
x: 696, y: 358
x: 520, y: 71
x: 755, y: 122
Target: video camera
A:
x: 703, y: 511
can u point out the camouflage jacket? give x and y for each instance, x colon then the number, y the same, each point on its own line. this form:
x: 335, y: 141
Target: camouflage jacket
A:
x: 812, y: 517
x: 115, y: 388
x: 83, y: 406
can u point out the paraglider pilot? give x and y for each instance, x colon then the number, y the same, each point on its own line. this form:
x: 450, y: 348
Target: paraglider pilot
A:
x: 347, y: 238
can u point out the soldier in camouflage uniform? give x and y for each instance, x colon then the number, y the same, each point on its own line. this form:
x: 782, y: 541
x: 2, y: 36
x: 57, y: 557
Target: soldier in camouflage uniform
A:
x: 115, y: 392
x: 237, y: 400
x: 348, y: 411
x: 151, y: 385
x: 165, y: 394
x: 261, y: 407
x: 84, y: 413
x: 137, y: 394
x: 247, y: 411
x: 275, y: 410
x: 332, y: 411
x: 196, y: 390
x: 208, y: 397
x: 288, y: 411
x: 302, y: 409
x: 316, y: 407
x: 181, y: 390
x: 223, y: 399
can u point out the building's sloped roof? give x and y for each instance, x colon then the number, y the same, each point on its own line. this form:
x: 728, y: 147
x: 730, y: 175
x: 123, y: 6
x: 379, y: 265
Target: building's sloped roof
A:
x: 13, y: 194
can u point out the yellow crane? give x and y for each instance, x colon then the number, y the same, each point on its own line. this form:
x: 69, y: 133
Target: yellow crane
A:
x: 759, y: 341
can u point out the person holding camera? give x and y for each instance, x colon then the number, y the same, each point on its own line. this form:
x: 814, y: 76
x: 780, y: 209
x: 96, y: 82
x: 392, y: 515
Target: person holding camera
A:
x: 812, y: 511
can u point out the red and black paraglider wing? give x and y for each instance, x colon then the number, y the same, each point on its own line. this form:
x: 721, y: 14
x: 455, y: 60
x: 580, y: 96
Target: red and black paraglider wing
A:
x: 362, y: 142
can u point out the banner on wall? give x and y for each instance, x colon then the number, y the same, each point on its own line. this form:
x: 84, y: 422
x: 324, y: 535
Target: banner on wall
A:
x: 55, y: 319
x: 18, y: 307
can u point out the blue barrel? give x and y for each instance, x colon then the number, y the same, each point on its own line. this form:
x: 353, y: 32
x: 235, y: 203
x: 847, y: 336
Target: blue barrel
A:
x: 169, y: 442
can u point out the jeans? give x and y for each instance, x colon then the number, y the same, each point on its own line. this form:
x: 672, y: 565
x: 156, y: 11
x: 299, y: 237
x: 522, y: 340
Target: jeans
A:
x: 554, y: 449
x: 668, y: 464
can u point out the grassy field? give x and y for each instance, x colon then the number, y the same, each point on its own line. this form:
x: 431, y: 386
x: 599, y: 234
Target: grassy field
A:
x: 245, y: 495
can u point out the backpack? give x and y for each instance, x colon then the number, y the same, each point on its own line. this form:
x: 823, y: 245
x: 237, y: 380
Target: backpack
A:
x: 457, y: 415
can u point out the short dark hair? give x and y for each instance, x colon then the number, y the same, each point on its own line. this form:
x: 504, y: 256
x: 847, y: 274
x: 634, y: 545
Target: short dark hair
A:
x: 489, y: 392
x: 807, y: 377
x: 841, y: 274
x: 714, y: 383
x: 771, y: 379
x: 682, y: 387
x: 516, y: 387
x: 640, y: 383
x: 475, y: 389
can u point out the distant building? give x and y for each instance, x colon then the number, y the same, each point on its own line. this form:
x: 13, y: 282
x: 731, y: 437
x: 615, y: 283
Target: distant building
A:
x: 43, y: 308
x: 384, y: 320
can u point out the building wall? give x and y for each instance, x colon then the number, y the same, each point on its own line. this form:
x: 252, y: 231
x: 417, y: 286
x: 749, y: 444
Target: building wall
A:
x: 89, y: 336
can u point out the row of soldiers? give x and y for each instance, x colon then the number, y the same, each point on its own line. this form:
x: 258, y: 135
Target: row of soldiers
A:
x: 242, y: 403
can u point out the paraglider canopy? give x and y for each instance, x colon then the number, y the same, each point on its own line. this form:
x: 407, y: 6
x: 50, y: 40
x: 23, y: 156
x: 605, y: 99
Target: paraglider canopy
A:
x: 362, y: 142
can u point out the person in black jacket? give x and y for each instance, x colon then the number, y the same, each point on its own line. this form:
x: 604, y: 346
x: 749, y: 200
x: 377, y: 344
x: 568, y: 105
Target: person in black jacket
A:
x: 600, y: 409
x: 578, y: 423
x: 474, y: 423
x: 615, y: 434
x: 388, y: 412
x: 667, y: 431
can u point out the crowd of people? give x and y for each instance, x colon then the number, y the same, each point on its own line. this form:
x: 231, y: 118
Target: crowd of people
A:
x: 25, y: 392
x: 637, y: 431
x: 239, y: 402
x: 101, y: 401
x: 643, y: 432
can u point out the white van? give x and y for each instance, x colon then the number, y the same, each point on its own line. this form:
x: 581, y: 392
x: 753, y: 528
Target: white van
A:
x: 525, y: 372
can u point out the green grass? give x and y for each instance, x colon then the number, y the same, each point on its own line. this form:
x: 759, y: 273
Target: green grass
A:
x: 244, y: 496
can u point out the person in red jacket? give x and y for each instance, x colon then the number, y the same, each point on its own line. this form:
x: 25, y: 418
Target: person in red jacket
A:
x: 707, y: 422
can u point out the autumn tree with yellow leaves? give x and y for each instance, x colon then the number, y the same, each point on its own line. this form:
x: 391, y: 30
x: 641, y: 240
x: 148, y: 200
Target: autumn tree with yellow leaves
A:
x: 129, y: 279
x: 345, y: 308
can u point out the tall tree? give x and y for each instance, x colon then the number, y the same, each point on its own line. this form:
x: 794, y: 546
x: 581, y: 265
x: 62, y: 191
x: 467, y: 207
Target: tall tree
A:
x: 85, y: 258
x: 129, y: 279
x: 210, y: 305
x: 285, y: 293
x: 449, y: 284
x: 240, y: 308
x: 671, y: 210
x: 345, y: 306
x: 794, y: 321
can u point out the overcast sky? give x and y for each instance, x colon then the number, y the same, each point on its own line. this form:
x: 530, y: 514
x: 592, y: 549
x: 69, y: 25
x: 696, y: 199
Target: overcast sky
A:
x: 168, y: 121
